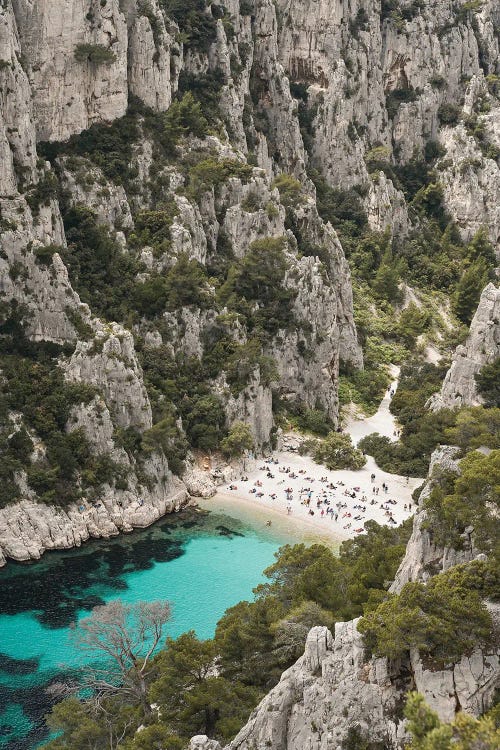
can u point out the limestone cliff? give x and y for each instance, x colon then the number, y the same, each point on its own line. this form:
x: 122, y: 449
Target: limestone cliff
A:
x: 65, y: 68
x: 481, y: 348
x: 108, y: 205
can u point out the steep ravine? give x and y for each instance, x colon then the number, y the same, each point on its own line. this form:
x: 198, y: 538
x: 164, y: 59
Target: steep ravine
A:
x: 92, y: 226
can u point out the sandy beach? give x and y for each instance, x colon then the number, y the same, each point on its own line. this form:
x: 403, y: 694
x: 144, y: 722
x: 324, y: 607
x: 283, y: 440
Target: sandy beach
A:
x: 293, y: 492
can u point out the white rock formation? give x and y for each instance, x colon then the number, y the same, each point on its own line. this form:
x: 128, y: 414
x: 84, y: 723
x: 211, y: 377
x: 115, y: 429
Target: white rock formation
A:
x: 109, y: 362
x: 481, y: 348
x: 29, y: 528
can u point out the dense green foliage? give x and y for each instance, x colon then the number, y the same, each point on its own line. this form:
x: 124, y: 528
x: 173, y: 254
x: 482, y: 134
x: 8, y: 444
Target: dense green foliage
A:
x: 97, y: 54
x: 255, y: 288
x: 99, y: 270
x: 464, y: 733
x: 470, y: 500
x: 488, y: 383
x: 238, y: 440
x: 107, y: 146
x: 184, y: 285
x: 444, y: 618
x: 195, y: 22
x: 336, y: 451
x: 34, y: 386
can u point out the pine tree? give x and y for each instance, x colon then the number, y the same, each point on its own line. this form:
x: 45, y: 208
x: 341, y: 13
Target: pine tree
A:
x: 469, y: 290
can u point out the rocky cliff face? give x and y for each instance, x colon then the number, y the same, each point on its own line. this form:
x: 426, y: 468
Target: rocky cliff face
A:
x: 64, y: 69
x: 284, y: 88
x: 334, y: 687
x: 481, y: 348
x: 385, y: 77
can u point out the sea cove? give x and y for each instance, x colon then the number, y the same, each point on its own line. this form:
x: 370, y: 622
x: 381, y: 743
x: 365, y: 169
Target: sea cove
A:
x: 201, y: 562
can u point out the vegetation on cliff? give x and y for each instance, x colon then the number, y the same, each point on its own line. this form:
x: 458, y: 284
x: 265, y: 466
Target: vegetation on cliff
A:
x: 211, y: 686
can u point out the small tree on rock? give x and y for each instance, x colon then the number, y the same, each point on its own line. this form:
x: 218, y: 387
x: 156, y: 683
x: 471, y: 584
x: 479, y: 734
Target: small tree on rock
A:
x: 239, y: 440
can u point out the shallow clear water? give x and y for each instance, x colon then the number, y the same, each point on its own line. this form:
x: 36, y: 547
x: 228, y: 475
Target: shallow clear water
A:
x: 201, y: 563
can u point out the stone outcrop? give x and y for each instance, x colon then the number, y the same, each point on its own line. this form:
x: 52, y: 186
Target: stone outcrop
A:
x: 332, y: 688
x: 471, y: 182
x: 30, y: 528
x: 109, y: 363
x: 481, y: 348
x: 423, y: 558
x: 83, y: 60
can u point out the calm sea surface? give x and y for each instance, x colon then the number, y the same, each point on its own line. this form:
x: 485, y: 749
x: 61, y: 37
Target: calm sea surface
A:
x: 201, y: 563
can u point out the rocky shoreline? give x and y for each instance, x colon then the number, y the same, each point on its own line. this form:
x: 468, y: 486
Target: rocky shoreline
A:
x: 29, y: 528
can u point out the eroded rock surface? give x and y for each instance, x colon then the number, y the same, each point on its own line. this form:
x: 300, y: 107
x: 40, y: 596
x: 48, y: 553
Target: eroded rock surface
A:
x: 481, y: 348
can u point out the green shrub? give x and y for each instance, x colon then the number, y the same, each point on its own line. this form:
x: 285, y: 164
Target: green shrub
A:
x: 210, y: 172
x: 83, y: 329
x: 238, y: 440
x: 464, y: 733
x: 242, y: 361
x: 449, y: 114
x: 385, y: 285
x: 488, y: 383
x: 464, y: 11
x: 342, y: 208
x: 336, y: 451
x: 197, y: 26
x: 185, y: 284
x: 42, y: 193
x: 184, y: 116
x: 206, y: 89
x: 312, y: 420
x: 412, y: 322
x: 97, y: 54
x: 290, y: 190
x: 43, y: 254
x: 469, y: 288
x: 437, y: 81
x: 166, y: 436
x: 396, y: 97
x: 444, y: 618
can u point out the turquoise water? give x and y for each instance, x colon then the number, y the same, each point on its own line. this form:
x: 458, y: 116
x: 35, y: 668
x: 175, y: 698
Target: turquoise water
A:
x: 201, y: 563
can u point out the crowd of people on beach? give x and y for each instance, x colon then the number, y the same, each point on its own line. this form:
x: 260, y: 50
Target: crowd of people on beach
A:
x: 327, y: 498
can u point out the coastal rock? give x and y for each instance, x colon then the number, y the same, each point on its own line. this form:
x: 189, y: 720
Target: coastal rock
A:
x: 29, y: 528
x: 333, y: 687
x: 202, y: 742
x: 325, y: 692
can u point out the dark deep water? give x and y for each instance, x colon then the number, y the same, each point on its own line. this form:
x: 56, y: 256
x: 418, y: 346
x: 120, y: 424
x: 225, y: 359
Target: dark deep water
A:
x: 202, y: 563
